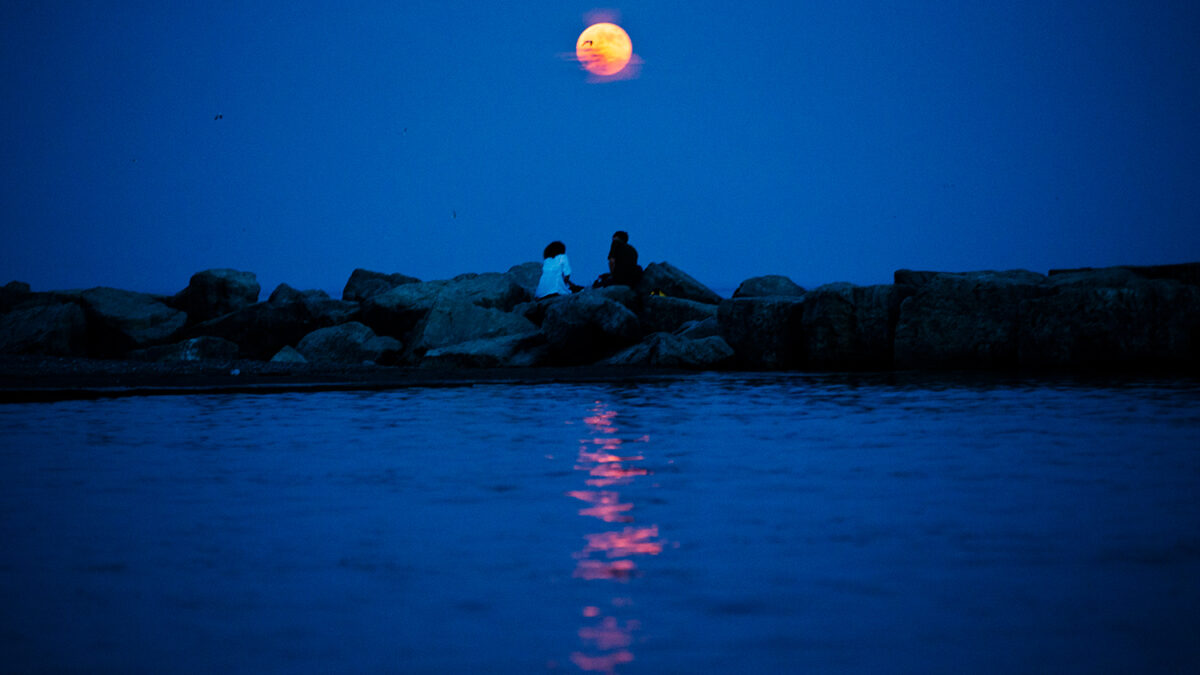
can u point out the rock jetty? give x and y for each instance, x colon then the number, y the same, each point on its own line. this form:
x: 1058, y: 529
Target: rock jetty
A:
x: 1144, y: 318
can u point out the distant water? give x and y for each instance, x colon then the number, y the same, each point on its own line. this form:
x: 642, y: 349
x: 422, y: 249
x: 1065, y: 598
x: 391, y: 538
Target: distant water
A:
x: 710, y: 523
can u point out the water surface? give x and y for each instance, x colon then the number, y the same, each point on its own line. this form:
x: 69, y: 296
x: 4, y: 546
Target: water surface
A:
x: 710, y: 523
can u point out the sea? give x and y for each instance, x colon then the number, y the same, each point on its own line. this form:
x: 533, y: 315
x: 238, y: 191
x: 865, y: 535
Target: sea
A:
x: 693, y: 523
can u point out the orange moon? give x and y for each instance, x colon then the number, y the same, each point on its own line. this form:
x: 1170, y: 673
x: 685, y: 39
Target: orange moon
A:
x: 604, y: 48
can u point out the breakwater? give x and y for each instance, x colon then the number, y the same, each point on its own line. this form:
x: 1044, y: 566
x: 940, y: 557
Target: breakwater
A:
x: 1144, y: 317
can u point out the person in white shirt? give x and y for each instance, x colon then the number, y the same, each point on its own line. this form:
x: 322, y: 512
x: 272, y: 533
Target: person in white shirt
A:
x: 556, y: 272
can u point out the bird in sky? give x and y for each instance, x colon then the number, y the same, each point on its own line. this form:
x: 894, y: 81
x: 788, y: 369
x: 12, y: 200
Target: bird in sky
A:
x: 218, y: 117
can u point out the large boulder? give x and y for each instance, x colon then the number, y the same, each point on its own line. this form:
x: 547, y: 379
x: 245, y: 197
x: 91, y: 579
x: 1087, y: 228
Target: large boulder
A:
x: 526, y: 275
x: 965, y: 320
x: 663, y: 350
x: 848, y: 327
x: 215, y: 292
x: 694, y: 330
x: 1093, y: 321
x: 195, y: 349
x: 765, y: 333
x: 365, y: 284
x: 324, y: 310
x: 586, y: 327
x: 261, y: 329
x: 398, y: 311
x: 288, y: 355
x: 349, y: 343
x: 58, y: 329
x: 403, y: 309
x: 672, y: 281
x: 770, y: 284
x: 666, y: 314
x: 1187, y: 273
x: 12, y: 294
x: 491, y: 290
x: 119, y: 321
x: 452, y: 320
x: 509, y: 351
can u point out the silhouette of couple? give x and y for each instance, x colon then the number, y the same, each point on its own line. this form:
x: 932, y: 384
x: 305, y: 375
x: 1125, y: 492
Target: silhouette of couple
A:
x: 623, y: 268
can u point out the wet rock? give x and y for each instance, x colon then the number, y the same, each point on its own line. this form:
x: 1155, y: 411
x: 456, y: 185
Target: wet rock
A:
x: 195, y: 349
x: 586, y: 327
x: 288, y: 355
x: 848, y: 327
x: 12, y: 294
x: 365, y: 284
x: 53, y: 329
x: 771, y: 284
x: 764, y: 332
x: 122, y: 320
x: 509, y: 351
x: 348, y: 343
x: 215, y: 292
x: 1094, y: 321
x: 965, y: 320
x: 664, y: 350
x: 672, y: 281
x: 667, y: 314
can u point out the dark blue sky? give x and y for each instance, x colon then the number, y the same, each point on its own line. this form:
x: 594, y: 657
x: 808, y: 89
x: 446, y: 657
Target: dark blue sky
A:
x: 825, y: 141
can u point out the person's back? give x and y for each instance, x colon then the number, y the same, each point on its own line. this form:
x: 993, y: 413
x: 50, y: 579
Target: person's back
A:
x: 623, y: 261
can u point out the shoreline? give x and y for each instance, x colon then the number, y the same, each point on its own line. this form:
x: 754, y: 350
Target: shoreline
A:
x: 35, y: 379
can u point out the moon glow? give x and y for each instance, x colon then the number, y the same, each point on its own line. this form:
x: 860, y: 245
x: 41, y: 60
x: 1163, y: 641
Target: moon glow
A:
x: 604, y: 49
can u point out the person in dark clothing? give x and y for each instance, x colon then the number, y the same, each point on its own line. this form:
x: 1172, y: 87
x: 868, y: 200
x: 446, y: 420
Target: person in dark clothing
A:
x: 623, y: 267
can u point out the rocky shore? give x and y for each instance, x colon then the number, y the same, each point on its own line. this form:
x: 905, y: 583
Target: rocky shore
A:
x: 392, y: 326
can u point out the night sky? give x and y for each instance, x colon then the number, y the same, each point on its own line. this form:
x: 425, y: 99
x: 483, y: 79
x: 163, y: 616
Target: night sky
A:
x: 824, y: 141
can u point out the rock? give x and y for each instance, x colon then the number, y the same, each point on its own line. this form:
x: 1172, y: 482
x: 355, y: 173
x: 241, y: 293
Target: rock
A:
x: 663, y: 350
x: 12, y: 294
x: 397, y: 312
x: 622, y: 294
x: 965, y: 320
x: 676, y: 283
x: 288, y: 355
x: 261, y: 329
x: 195, y: 349
x: 1187, y: 273
x: 401, y: 310
x: 586, y: 327
x: 365, y: 284
x: 914, y: 278
x: 215, y: 292
x: 848, y: 327
x: 1102, y: 326
x: 764, y: 332
x: 667, y: 314
x: 58, y: 329
x: 492, y: 290
x: 349, y: 343
x: 509, y: 351
x: 324, y: 310
x: 771, y: 284
x: 122, y: 320
x: 526, y: 275
x: 694, y: 330
x: 452, y: 320
x: 1109, y: 277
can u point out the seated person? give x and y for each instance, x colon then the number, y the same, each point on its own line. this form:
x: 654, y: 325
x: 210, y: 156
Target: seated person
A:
x: 623, y: 267
x: 556, y: 272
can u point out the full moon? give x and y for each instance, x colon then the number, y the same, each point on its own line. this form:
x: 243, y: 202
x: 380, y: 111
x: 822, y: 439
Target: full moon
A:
x: 604, y: 48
